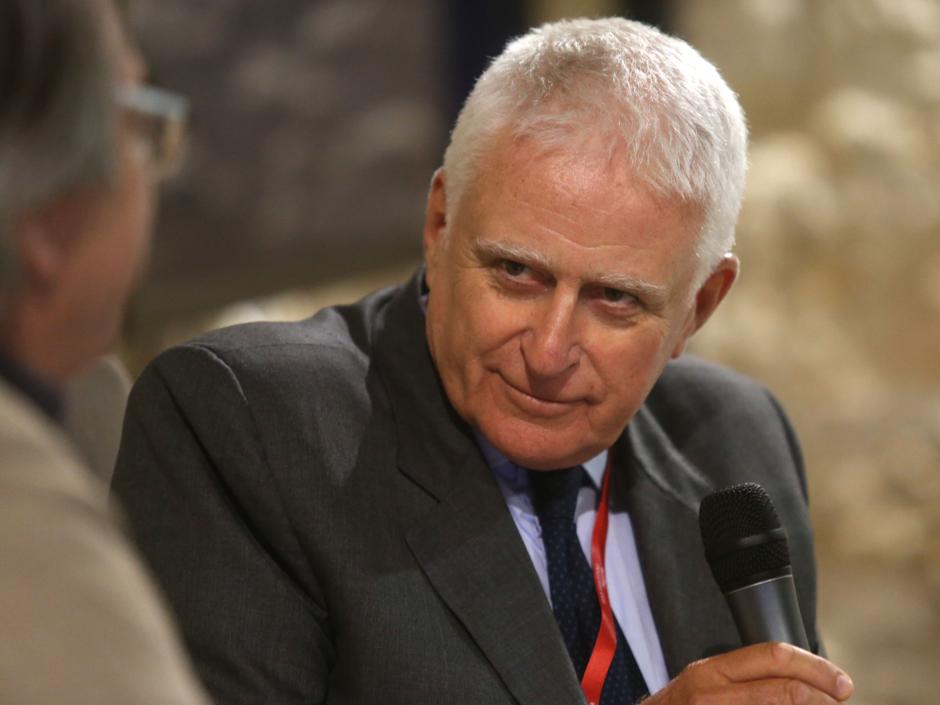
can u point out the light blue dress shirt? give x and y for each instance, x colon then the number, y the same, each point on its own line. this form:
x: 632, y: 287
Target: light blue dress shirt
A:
x: 625, y: 584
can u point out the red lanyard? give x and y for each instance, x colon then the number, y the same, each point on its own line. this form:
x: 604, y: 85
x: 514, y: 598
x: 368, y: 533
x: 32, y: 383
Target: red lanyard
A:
x: 603, y: 655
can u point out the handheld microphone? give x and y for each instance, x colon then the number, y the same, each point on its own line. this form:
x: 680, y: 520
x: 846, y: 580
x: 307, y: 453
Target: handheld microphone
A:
x: 747, y: 551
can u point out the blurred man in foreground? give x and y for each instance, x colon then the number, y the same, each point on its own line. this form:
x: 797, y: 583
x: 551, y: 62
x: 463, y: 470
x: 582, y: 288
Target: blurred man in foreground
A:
x: 395, y: 501
x: 80, y: 138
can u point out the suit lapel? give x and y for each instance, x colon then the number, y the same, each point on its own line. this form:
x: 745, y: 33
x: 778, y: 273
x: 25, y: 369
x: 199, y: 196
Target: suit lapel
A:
x: 472, y: 554
x: 468, y: 545
x: 662, y: 491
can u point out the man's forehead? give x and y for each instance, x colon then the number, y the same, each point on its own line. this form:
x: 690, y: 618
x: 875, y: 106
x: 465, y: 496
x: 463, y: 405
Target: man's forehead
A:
x: 550, y: 206
x: 580, y: 170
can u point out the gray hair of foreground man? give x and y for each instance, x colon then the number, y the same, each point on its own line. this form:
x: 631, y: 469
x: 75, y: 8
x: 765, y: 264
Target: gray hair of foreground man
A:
x: 57, y: 131
x: 612, y: 82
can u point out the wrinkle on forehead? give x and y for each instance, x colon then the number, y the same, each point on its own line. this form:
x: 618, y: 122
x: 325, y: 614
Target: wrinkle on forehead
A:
x: 572, y: 173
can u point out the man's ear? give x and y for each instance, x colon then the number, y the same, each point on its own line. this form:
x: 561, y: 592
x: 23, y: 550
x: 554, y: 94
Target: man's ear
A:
x: 711, y: 293
x: 41, y: 251
x: 435, y: 224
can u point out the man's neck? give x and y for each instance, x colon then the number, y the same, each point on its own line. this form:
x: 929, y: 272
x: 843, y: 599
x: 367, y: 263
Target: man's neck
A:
x: 594, y: 467
x: 39, y: 338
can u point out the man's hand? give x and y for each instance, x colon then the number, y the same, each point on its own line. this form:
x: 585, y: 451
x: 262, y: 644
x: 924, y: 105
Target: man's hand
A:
x: 764, y: 674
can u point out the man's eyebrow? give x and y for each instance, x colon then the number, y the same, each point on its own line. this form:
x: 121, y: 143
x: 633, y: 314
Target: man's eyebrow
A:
x: 507, y: 250
x: 655, y: 293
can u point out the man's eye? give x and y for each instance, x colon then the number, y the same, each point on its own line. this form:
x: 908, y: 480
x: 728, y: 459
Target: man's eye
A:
x: 513, y: 269
x: 617, y: 299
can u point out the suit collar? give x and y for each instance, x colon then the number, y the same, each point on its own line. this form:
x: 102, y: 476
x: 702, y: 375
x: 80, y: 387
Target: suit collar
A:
x: 431, y: 434
x: 27, y: 438
x: 44, y: 395
x: 662, y: 490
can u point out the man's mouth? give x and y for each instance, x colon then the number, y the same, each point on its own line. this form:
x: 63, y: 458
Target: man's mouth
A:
x: 535, y: 405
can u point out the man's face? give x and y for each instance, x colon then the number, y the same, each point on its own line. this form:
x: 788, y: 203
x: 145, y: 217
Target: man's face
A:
x: 105, y: 231
x: 559, y: 293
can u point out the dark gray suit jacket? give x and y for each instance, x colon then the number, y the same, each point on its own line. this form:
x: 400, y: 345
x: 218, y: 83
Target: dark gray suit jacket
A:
x: 327, y: 530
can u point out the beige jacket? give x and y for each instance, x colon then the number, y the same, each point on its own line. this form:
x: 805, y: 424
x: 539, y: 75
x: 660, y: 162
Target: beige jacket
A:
x: 79, y: 619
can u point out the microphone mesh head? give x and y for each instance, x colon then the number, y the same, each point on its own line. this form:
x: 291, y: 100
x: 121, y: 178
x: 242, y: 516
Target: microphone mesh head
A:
x: 736, y: 525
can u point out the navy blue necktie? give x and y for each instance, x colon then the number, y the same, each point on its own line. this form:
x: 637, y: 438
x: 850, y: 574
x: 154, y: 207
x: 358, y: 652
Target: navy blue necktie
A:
x: 571, y: 582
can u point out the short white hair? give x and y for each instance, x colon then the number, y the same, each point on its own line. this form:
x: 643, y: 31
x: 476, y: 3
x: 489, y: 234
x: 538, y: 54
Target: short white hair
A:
x: 626, y: 84
x: 57, y: 115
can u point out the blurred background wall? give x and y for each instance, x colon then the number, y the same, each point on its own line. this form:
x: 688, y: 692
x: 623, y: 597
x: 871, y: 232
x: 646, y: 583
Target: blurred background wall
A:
x: 317, y: 125
x: 838, y: 308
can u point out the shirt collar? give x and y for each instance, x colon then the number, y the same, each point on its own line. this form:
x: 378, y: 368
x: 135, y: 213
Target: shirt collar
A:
x: 30, y: 385
x: 506, y: 471
x: 595, y: 468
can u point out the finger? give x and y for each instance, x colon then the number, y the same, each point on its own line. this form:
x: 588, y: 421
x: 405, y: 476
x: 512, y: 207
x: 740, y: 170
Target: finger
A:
x: 771, y: 691
x: 765, y: 661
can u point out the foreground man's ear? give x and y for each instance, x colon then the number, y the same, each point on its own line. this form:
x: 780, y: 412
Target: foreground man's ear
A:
x: 40, y: 251
x: 435, y: 224
x: 709, y: 295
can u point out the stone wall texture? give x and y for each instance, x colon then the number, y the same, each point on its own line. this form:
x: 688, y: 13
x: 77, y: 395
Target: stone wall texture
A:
x: 315, y: 127
x: 838, y: 306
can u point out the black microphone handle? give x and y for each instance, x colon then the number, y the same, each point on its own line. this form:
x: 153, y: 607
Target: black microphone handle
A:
x: 768, y: 611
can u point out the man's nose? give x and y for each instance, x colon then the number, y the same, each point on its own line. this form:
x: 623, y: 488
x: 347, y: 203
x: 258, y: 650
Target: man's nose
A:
x: 551, y: 347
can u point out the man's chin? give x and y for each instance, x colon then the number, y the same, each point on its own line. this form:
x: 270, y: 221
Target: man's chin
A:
x: 540, y: 448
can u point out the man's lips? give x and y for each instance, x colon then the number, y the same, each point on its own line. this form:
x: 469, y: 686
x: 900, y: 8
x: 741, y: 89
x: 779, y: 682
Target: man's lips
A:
x: 535, y: 405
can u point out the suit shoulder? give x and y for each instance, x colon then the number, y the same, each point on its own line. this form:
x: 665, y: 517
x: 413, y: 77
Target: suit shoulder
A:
x: 693, y: 382
x: 344, y: 326
x: 337, y: 340
x: 696, y: 400
x: 316, y: 366
x: 709, y: 411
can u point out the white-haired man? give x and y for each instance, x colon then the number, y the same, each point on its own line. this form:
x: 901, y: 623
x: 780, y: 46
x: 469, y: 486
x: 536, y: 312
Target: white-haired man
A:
x: 79, y: 139
x: 396, y: 501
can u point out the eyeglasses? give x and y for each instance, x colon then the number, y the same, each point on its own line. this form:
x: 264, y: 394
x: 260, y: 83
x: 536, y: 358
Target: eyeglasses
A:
x: 161, y: 119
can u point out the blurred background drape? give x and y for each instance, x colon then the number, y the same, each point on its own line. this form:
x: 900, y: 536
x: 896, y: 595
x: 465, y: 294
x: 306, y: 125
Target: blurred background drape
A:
x: 318, y: 123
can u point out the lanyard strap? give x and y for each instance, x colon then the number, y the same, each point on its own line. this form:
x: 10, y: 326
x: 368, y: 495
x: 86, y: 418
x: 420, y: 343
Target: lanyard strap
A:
x: 606, y: 644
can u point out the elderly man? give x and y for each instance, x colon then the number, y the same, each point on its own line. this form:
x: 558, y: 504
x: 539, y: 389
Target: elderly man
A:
x: 79, y: 138
x: 395, y: 501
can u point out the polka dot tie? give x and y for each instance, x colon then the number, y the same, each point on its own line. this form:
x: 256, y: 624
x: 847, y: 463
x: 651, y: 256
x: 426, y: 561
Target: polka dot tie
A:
x: 571, y: 582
